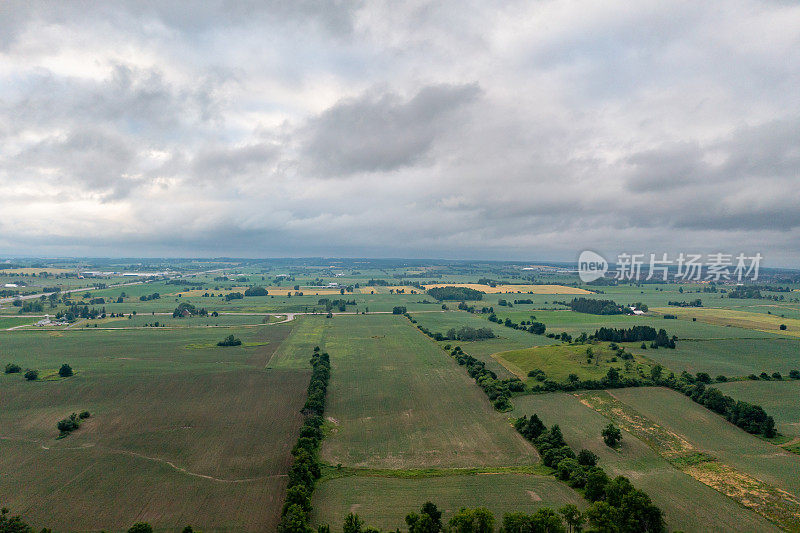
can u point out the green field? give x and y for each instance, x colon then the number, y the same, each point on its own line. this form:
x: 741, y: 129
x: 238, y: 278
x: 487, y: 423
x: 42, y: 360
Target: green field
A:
x: 712, y: 434
x: 731, y: 357
x: 385, y: 501
x: 560, y: 360
x: 686, y: 502
x: 186, y: 432
x: 398, y: 401
x: 194, y: 432
x: 507, y: 338
x: 781, y: 399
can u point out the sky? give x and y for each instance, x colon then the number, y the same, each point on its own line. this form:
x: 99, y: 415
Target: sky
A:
x: 421, y: 129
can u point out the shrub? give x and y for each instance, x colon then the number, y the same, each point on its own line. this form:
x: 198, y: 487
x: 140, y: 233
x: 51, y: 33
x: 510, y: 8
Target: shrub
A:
x: 13, y: 368
x: 32, y: 375
x: 230, y: 340
x: 65, y: 371
x: 794, y: 374
x: 141, y: 527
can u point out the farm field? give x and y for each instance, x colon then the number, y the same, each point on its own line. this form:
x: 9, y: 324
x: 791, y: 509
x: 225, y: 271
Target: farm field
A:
x: 506, y: 338
x: 729, y: 357
x: 515, y: 289
x: 741, y: 319
x: 398, y: 401
x: 712, y: 434
x: 686, y: 502
x: 385, y: 501
x: 576, y: 323
x: 14, y: 321
x: 560, y: 360
x: 781, y: 399
x: 194, y: 432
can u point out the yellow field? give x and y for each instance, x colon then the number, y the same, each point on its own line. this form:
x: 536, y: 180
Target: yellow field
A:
x: 385, y: 290
x: 739, y: 319
x: 37, y: 270
x: 273, y: 291
x: 512, y: 289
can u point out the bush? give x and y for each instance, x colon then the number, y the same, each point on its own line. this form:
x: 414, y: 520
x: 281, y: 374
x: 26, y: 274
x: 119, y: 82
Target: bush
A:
x: 230, y: 340
x: 13, y: 368
x: 141, y: 527
x: 84, y: 415
x: 66, y: 425
x: 32, y: 375
x: 794, y: 374
x: 399, y: 310
x: 65, y: 371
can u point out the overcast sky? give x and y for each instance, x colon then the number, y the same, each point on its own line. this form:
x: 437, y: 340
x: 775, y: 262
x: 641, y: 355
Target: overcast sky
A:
x: 497, y: 130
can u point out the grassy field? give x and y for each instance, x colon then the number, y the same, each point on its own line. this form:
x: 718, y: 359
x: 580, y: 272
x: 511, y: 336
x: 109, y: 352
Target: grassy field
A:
x: 515, y: 289
x: 688, y: 504
x: 385, y: 501
x: 752, y: 485
x: 14, y: 321
x: 740, y: 319
x: 398, y: 401
x: 710, y: 433
x: 730, y: 357
x: 194, y: 433
x: 778, y: 398
x: 558, y: 361
x: 506, y: 338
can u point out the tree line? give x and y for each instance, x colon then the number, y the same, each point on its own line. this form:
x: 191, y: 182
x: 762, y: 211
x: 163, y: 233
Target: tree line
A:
x: 307, y: 468
x: 595, y: 307
x: 455, y: 293
x: 636, y: 334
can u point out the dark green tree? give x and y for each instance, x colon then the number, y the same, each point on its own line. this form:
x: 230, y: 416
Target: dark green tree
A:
x: 611, y: 435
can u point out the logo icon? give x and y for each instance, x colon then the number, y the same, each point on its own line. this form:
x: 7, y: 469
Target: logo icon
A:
x: 591, y: 266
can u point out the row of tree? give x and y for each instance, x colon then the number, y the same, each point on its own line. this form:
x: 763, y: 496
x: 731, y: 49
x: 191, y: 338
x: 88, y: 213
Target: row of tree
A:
x: 477, y: 520
x: 595, y: 307
x: 537, y: 328
x: 499, y: 391
x: 306, y: 469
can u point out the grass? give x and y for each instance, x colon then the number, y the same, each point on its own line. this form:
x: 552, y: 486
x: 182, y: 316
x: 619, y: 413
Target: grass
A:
x: 711, y: 433
x: 14, y: 321
x: 506, y: 338
x: 515, y: 289
x: 384, y: 502
x: 687, y: 503
x: 397, y: 401
x: 758, y: 475
x: 778, y: 398
x: 558, y: 361
x: 194, y: 435
x: 740, y: 319
x: 729, y: 356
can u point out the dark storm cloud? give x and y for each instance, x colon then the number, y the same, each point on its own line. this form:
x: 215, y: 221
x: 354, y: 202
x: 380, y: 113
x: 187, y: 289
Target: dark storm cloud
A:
x: 375, y: 133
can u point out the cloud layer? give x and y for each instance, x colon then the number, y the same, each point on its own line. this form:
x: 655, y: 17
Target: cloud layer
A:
x: 507, y: 130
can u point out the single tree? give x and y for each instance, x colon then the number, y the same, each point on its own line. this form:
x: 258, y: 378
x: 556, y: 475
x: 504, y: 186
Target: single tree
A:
x: 65, y: 371
x: 573, y: 517
x: 611, y: 435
